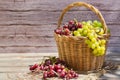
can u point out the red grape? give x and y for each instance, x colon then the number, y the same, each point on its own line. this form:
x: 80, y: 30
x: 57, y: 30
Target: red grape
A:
x: 53, y: 68
x: 71, y: 22
x: 59, y: 71
x: 45, y: 75
x: 62, y: 74
x: 33, y: 67
x: 79, y: 25
x: 65, y: 26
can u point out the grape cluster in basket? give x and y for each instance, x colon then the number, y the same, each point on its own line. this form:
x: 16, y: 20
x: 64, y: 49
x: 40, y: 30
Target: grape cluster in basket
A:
x: 54, y: 67
x: 92, y: 30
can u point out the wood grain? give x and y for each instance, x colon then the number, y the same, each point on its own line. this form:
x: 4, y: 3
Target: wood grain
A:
x: 54, y: 5
x: 16, y: 67
x: 28, y: 25
x: 51, y: 17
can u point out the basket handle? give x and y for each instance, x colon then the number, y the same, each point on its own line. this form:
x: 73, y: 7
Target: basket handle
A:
x: 92, y: 8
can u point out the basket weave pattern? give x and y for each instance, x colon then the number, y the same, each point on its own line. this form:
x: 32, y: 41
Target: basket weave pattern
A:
x: 74, y: 50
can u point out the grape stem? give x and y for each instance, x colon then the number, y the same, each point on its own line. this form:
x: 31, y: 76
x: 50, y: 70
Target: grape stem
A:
x: 56, y: 73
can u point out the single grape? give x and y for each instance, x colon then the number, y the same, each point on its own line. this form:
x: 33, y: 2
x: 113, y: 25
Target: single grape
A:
x: 93, y: 40
x: 47, y: 62
x: 95, y: 35
x: 93, y: 46
x: 102, y: 53
x: 99, y: 24
x: 62, y: 74
x: 85, y: 27
x: 45, y: 75
x: 90, y: 35
x: 98, y: 48
x: 65, y: 26
x: 103, y: 42
x: 33, y: 67
x: 90, y: 26
x: 83, y: 22
x: 71, y: 22
x: 102, y: 48
x: 87, y: 42
x: 95, y: 52
x: 79, y: 25
x: 79, y: 30
x: 84, y: 32
x: 96, y: 44
x: 59, y: 71
x: 76, y: 33
x: 101, y: 31
x: 89, y: 22
x: 67, y: 32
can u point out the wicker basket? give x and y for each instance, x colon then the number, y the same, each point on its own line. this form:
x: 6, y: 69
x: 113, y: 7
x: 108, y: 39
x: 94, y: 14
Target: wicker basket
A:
x: 73, y: 49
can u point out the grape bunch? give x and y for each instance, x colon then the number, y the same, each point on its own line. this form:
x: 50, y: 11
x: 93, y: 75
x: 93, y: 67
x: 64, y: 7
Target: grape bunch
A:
x: 54, y: 67
x: 67, y: 29
x: 92, y: 30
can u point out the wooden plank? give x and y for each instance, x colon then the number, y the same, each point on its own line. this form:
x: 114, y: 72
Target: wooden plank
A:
x: 53, y: 4
x: 50, y: 49
x: 13, y: 69
x: 26, y: 41
x: 14, y: 30
x: 27, y: 55
x: 48, y: 17
x: 22, y: 49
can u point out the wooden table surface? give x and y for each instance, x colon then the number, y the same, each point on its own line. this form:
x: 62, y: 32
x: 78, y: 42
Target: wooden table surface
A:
x: 16, y: 67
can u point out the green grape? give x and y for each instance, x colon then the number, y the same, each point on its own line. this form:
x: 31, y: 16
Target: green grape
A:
x: 99, y: 41
x: 90, y: 26
x: 79, y: 30
x: 103, y: 42
x: 97, y: 30
x: 84, y: 32
x: 83, y: 22
x: 95, y: 23
x: 89, y: 22
x: 87, y: 42
x: 98, y: 48
x: 95, y: 52
x: 102, y: 48
x: 102, y: 52
x: 97, y: 44
x: 76, y: 33
x: 99, y: 24
x: 93, y: 46
x: 90, y: 35
x: 95, y: 35
x: 92, y: 30
x: 88, y: 31
x: 85, y: 27
x: 93, y: 40
x: 101, y: 31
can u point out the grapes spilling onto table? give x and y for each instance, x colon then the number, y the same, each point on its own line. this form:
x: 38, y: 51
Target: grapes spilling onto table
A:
x: 92, y: 30
x: 54, y: 67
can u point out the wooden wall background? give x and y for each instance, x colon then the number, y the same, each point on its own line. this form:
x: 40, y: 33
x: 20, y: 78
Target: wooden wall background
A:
x: 27, y: 25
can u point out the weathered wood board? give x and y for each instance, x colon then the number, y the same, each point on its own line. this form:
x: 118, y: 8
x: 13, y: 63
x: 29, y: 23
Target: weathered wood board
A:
x: 27, y: 25
x: 15, y: 66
